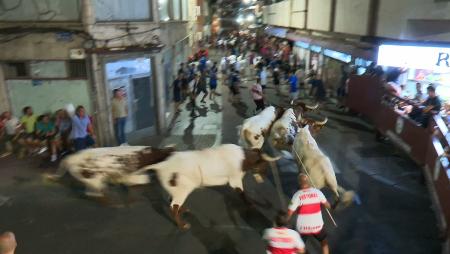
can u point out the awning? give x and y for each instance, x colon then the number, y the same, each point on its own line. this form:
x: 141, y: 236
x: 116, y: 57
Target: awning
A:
x: 367, y: 52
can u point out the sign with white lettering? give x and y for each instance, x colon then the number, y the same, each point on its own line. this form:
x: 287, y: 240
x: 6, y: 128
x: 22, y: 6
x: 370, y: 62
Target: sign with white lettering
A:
x: 426, y: 58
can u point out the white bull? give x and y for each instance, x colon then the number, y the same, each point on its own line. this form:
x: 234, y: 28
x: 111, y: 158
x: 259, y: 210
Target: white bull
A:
x: 309, y: 157
x: 253, y: 130
x: 97, y: 167
x: 284, y: 129
x: 183, y: 172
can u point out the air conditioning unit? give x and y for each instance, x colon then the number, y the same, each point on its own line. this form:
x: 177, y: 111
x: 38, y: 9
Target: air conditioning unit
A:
x: 77, y: 54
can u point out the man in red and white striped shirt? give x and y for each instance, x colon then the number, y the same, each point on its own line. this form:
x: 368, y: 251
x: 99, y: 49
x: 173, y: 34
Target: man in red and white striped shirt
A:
x: 282, y: 240
x: 308, y: 203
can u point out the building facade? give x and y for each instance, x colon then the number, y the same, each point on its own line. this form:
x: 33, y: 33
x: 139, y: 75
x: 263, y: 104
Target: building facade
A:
x: 60, y: 52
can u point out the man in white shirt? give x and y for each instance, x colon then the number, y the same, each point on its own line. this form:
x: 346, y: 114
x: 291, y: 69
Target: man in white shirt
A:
x: 281, y: 240
x: 308, y: 202
x: 119, y: 113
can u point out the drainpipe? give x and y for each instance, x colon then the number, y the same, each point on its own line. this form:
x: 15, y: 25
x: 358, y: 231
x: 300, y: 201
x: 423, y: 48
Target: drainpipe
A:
x: 88, y: 15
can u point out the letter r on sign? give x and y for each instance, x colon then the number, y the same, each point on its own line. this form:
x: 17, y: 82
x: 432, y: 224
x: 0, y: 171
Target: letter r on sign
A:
x: 443, y: 57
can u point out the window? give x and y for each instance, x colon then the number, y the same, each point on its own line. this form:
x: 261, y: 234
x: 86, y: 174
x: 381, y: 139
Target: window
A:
x: 118, y: 10
x: 48, y: 69
x: 71, y: 69
x: 16, y: 70
x: 76, y: 69
x: 163, y: 7
x: 176, y: 9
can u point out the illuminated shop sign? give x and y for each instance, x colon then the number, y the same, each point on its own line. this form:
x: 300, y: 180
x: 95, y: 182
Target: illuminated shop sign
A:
x: 315, y: 48
x: 426, y: 58
x: 338, y: 55
x: 302, y: 44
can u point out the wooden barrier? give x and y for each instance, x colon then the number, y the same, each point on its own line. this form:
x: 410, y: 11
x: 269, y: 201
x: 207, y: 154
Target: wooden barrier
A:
x: 426, y: 146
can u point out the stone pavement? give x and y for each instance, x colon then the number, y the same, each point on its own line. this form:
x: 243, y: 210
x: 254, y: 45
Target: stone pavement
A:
x: 394, y: 216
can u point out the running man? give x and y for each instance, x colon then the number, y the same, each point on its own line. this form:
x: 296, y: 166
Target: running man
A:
x: 282, y: 240
x: 308, y: 202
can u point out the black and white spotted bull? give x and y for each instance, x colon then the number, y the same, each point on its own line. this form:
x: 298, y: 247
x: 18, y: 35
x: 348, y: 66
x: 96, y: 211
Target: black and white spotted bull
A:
x: 97, y: 167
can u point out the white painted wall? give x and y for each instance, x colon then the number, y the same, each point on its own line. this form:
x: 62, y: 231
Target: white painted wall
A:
x: 278, y: 14
x: 319, y: 15
x: 352, y: 16
x: 394, y: 15
x: 298, y: 13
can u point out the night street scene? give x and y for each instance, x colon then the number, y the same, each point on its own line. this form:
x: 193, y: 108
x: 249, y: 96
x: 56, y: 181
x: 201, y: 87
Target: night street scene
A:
x: 224, y: 126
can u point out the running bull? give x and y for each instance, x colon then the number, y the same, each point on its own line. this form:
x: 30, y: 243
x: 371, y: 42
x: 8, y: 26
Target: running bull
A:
x: 312, y: 161
x: 253, y: 131
x: 285, y: 129
x: 183, y: 172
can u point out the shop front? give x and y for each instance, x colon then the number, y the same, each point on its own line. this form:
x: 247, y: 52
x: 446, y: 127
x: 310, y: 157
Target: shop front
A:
x: 426, y: 145
x: 420, y: 64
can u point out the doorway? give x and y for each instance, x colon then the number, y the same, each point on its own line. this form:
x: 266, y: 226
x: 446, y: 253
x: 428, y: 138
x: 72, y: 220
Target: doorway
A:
x: 134, y: 76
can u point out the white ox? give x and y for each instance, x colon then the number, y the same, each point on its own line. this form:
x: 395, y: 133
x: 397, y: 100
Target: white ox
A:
x: 253, y: 130
x: 183, y: 172
x: 309, y: 157
x: 284, y: 129
x: 97, y: 167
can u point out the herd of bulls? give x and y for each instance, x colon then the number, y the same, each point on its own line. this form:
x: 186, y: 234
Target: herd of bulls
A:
x: 182, y: 172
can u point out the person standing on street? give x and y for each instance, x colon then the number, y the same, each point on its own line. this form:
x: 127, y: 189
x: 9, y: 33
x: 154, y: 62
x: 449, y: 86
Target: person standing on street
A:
x: 119, y: 113
x: 257, y: 94
x: 176, y: 85
x: 193, y: 87
x: 282, y: 240
x: 308, y: 202
x: 201, y: 87
x: 263, y: 77
x: 293, y: 87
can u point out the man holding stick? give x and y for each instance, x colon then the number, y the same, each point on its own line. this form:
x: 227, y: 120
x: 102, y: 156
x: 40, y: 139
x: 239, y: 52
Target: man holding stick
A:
x: 308, y: 202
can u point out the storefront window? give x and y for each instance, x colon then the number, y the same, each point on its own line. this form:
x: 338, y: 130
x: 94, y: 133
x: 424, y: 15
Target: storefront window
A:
x: 163, y: 7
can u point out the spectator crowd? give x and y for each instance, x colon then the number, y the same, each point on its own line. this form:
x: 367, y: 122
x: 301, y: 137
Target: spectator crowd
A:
x: 53, y: 134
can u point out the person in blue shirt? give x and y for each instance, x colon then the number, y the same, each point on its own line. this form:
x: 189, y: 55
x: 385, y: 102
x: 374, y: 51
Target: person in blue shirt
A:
x: 213, y: 83
x: 176, y: 85
x: 293, y: 86
x: 82, y: 131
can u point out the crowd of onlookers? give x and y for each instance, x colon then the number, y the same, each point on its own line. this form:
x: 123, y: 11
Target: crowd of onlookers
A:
x: 57, y: 134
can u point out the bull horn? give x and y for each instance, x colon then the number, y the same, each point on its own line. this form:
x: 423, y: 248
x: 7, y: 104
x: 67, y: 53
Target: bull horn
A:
x: 312, y: 107
x: 268, y: 158
x: 323, y: 122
